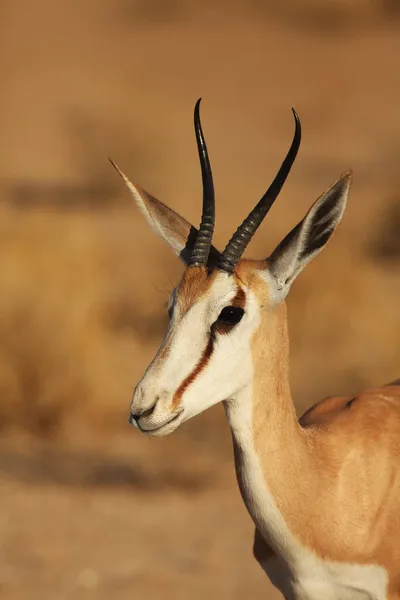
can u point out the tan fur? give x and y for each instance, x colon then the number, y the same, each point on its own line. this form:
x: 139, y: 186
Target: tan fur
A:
x: 322, y: 489
x: 194, y: 284
x: 246, y: 271
x: 196, y: 281
x: 335, y: 475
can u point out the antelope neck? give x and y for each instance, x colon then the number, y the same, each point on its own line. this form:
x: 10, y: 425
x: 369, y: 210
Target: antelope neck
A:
x: 272, y: 452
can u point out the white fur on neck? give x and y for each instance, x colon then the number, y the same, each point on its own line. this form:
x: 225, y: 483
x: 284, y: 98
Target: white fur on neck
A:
x: 298, y: 572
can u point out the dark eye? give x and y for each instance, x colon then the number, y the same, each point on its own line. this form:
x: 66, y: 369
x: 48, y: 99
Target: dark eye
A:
x: 230, y: 315
x: 171, y: 311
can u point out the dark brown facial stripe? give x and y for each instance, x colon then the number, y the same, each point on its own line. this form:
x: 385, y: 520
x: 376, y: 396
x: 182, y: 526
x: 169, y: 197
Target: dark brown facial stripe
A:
x: 196, y: 371
x: 239, y: 299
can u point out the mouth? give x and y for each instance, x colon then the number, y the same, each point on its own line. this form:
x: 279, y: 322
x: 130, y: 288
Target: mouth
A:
x: 163, y: 429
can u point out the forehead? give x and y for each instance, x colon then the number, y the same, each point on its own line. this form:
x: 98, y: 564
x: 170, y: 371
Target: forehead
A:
x: 198, y: 283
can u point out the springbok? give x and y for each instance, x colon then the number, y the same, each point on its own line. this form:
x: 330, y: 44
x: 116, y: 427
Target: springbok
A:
x: 322, y: 491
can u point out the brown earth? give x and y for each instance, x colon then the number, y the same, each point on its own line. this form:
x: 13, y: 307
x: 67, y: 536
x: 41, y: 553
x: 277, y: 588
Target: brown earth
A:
x: 88, y: 508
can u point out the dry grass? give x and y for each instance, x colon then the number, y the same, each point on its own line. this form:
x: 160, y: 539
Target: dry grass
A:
x: 81, y: 315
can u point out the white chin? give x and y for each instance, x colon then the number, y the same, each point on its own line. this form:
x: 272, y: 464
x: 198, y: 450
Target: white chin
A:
x: 165, y: 429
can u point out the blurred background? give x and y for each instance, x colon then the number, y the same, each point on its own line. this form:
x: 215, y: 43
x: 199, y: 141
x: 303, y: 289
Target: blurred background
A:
x: 89, y: 508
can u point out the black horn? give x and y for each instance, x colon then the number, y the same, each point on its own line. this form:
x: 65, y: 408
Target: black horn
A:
x: 202, y: 244
x: 238, y: 242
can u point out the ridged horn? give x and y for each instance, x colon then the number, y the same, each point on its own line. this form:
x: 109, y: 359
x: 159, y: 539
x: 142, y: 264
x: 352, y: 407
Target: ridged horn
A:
x: 242, y: 236
x: 202, y: 244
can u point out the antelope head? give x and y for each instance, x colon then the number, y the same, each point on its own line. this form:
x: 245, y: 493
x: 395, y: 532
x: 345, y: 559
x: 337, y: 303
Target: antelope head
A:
x: 222, y: 300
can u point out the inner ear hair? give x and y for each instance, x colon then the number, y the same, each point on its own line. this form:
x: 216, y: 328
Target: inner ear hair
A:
x: 309, y: 236
x: 167, y: 223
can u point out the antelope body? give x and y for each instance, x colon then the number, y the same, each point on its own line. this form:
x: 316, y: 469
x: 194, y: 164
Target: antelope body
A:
x: 324, y: 491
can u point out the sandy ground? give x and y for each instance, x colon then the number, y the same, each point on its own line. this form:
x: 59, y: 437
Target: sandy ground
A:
x: 65, y: 537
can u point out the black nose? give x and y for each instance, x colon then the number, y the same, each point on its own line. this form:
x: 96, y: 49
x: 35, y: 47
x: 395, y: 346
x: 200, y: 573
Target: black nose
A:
x: 133, y: 420
x: 134, y: 417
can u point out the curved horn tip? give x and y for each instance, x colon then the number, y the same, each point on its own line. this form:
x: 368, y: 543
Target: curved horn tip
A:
x: 197, y: 121
x: 202, y: 244
x: 296, y: 116
x: 297, y: 121
x: 240, y: 239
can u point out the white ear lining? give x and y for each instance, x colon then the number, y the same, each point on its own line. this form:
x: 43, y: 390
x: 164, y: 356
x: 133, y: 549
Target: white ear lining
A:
x: 309, y: 236
x: 165, y: 222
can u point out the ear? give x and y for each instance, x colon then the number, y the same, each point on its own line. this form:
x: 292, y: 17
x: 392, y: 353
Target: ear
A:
x: 170, y: 226
x: 308, y: 238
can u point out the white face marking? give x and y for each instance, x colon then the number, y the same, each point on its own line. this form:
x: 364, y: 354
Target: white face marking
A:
x: 226, y: 370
